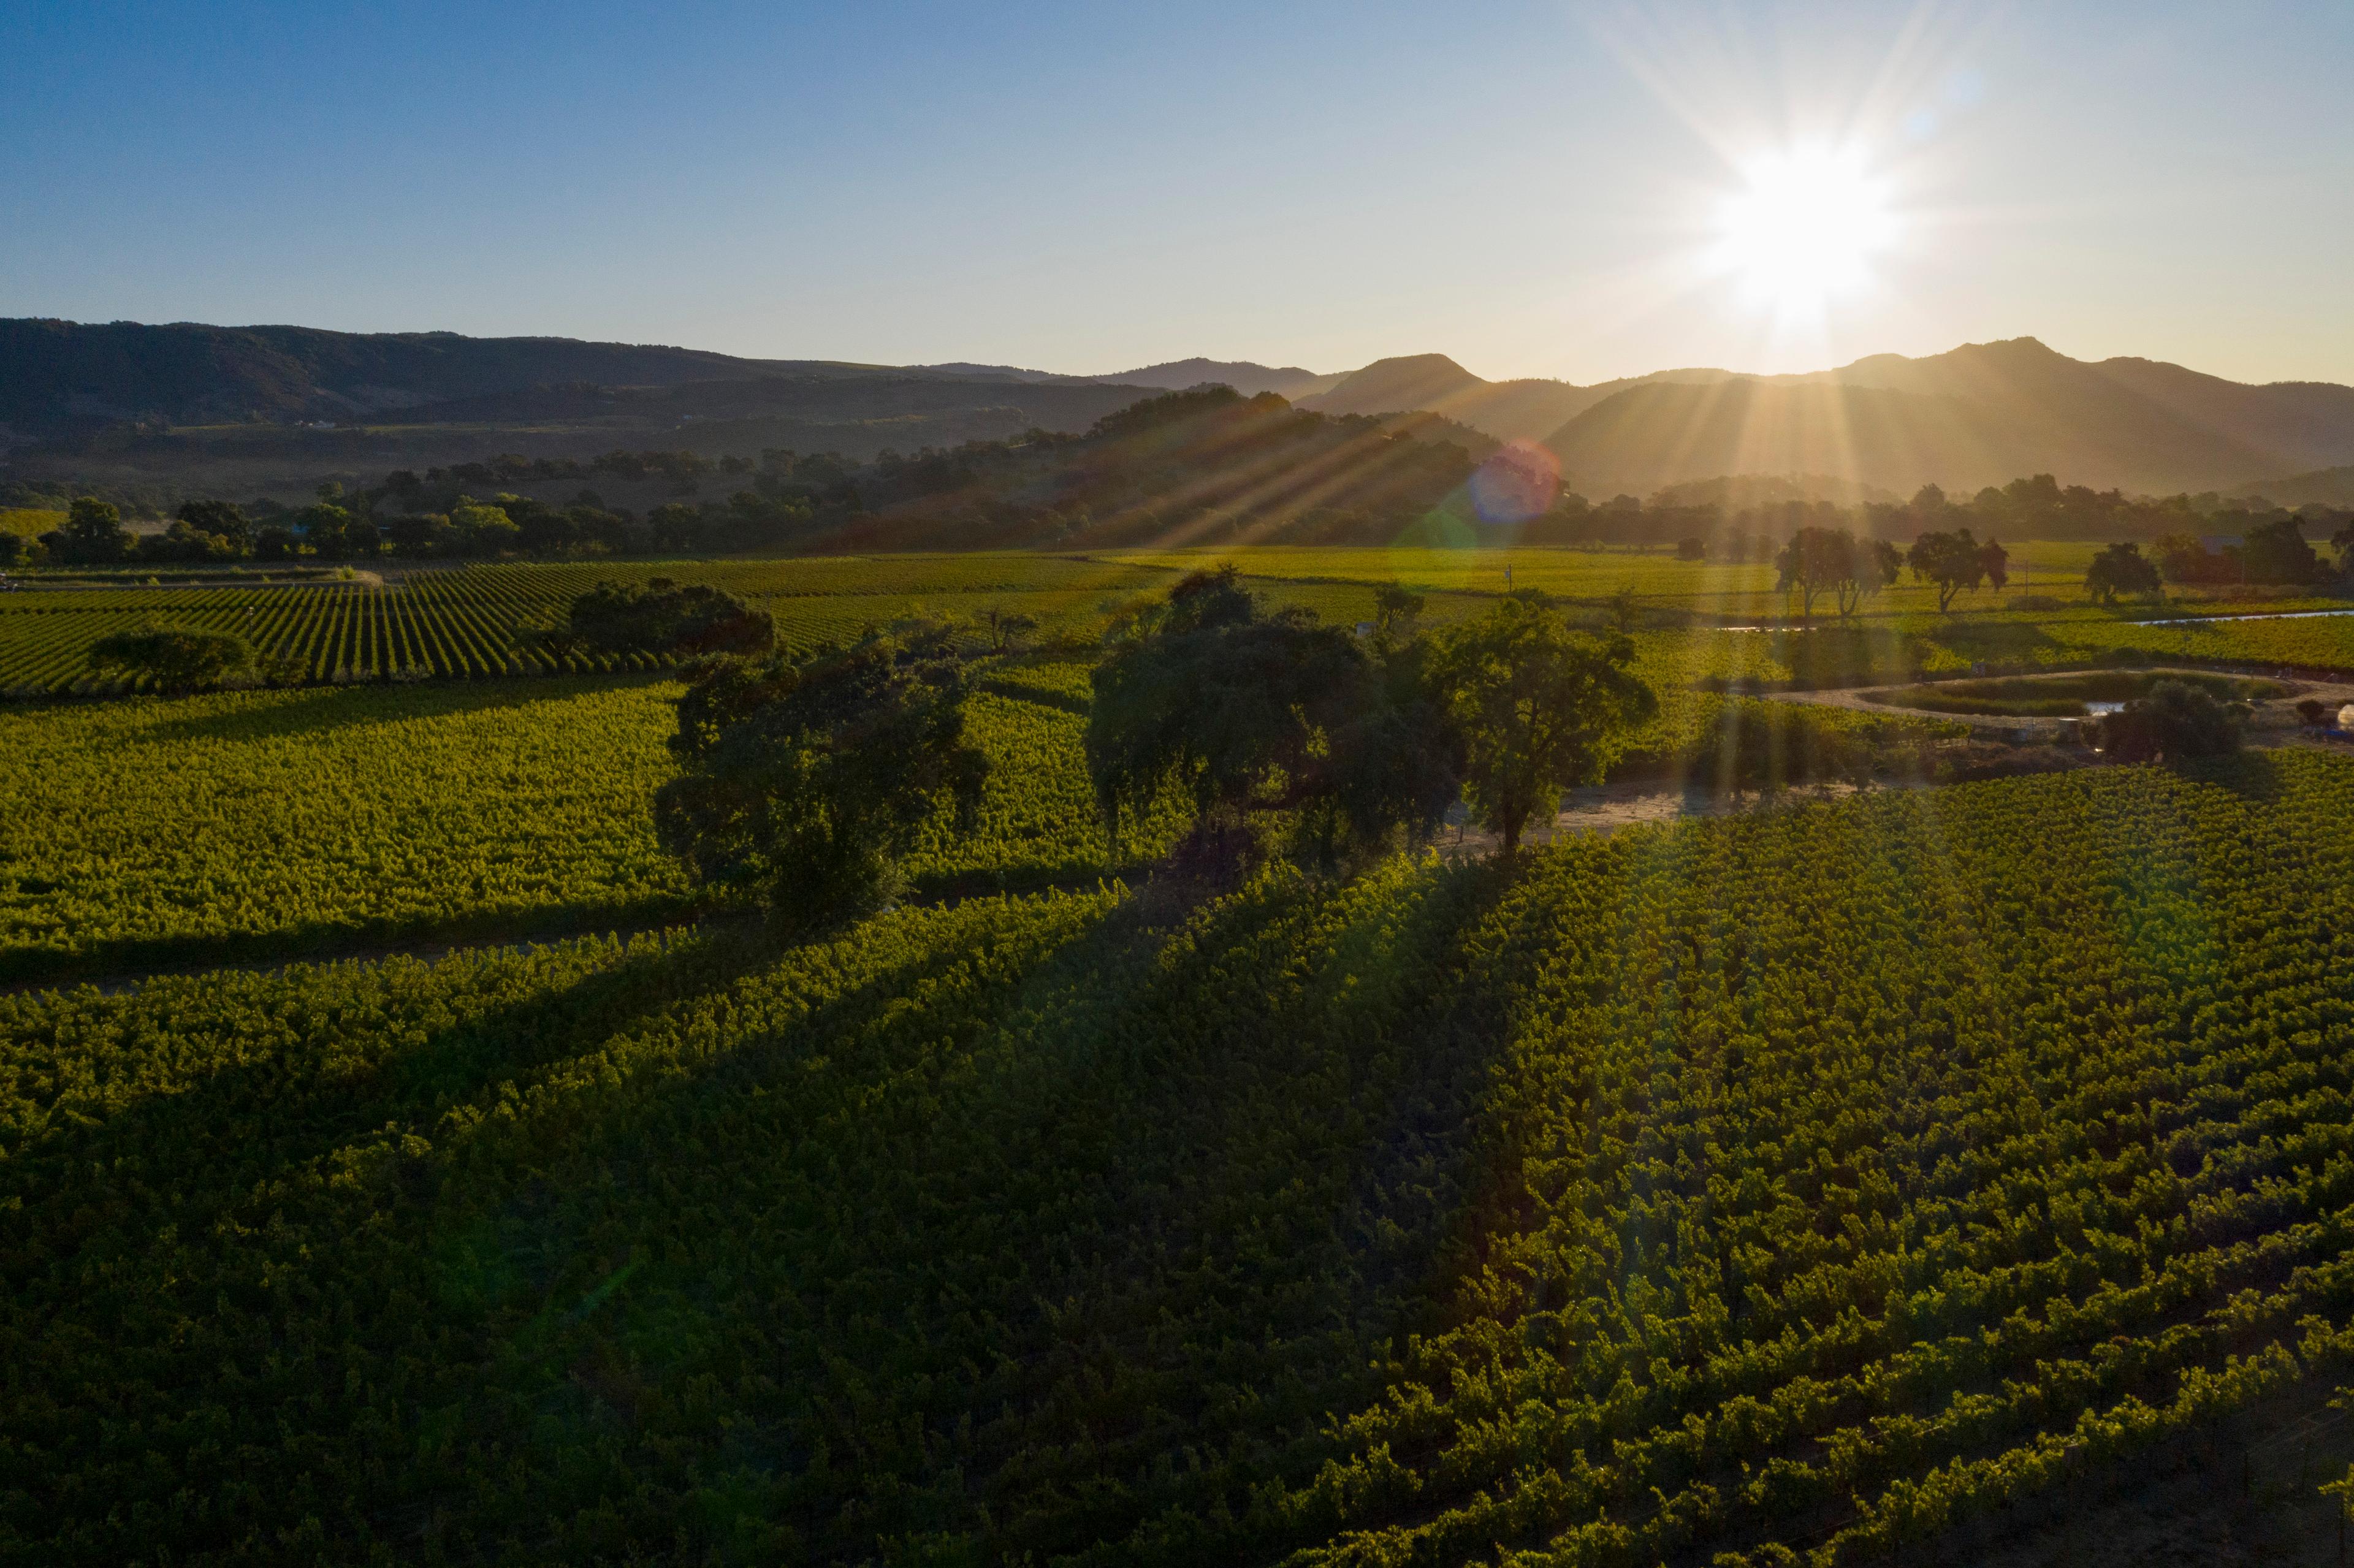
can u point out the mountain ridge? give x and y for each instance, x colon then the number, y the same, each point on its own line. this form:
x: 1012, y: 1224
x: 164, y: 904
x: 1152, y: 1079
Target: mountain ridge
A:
x: 1978, y: 414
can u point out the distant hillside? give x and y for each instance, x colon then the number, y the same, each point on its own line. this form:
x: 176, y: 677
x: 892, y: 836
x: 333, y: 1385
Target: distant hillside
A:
x: 2326, y: 486
x: 214, y: 409
x: 1249, y: 379
x: 56, y: 373
x: 1980, y: 415
x: 231, y: 410
x: 1526, y: 409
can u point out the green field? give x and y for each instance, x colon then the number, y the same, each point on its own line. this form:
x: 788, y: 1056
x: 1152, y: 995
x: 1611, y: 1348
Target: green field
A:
x: 1829, y: 1174
x: 440, y: 1178
x: 472, y: 622
x: 29, y: 522
x: 264, y: 824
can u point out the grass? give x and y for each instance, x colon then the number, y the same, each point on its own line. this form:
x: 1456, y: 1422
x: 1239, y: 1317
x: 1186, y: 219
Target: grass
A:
x: 28, y: 520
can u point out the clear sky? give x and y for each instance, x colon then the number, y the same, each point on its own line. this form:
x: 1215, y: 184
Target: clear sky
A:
x: 1537, y: 189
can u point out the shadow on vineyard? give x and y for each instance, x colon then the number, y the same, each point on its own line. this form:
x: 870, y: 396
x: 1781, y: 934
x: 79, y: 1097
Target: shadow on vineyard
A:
x: 128, y: 960
x: 311, y: 711
x: 1068, y: 702
x: 917, y: 1210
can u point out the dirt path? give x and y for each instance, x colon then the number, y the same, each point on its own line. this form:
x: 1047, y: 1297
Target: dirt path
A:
x: 1606, y: 808
x: 2275, y: 717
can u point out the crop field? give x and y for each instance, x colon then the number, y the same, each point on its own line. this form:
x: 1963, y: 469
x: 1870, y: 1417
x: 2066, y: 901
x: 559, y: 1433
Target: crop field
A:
x: 472, y: 622
x: 252, y: 824
x: 263, y: 825
x: 1826, y: 1175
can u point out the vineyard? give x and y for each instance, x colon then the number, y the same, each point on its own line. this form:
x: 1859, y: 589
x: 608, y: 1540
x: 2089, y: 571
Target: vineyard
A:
x: 321, y: 818
x: 477, y: 621
x: 1780, y: 1187
x: 472, y: 623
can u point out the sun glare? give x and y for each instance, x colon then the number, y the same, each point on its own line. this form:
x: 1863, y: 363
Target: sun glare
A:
x: 1807, y: 228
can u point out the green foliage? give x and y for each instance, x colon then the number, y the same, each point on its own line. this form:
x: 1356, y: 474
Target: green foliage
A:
x: 2276, y: 552
x: 1397, y: 608
x: 1955, y: 563
x: 666, y: 618
x: 174, y: 659
x: 2120, y: 570
x: 1820, y: 560
x: 94, y: 534
x: 1242, y: 710
x: 1772, y: 746
x: 259, y: 824
x: 2064, y: 697
x: 807, y: 782
x: 483, y: 530
x: 2175, y: 720
x: 1219, y: 702
x: 1537, y: 703
x: 1842, y: 1173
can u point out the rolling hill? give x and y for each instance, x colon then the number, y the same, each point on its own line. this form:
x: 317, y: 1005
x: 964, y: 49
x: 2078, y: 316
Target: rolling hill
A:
x: 1981, y: 414
x: 2325, y: 486
x: 234, y: 407
x: 1529, y: 409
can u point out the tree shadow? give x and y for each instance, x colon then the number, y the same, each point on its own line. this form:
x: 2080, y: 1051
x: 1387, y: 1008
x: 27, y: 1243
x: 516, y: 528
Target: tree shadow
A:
x: 2256, y: 777
x: 1285, y: 1176
x: 271, y: 1115
x: 320, y: 710
x: 1993, y: 642
x: 131, y: 959
x: 1005, y: 1185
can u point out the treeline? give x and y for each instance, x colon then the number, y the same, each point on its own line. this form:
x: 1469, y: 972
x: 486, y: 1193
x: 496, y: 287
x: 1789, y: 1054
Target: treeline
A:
x: 361, y: 526
x: 1206, y: 466
x: 1726, y: 526
x: 1201, y: 467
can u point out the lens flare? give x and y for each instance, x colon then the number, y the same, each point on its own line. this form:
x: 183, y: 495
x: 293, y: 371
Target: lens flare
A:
x: 1518, y: 482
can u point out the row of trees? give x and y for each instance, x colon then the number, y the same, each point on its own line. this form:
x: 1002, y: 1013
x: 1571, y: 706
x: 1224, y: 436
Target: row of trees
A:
x: 806, y: 779
x: 2273, y: 553
x: 1743, y: 519
x: 1818, y: 561
x: 328, y: 530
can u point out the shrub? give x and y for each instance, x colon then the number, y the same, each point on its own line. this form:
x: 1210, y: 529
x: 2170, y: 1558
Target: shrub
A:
x: 661, y: 616
x: 178, y: 659
x: 1770, y: 745
x: 2175, y: 720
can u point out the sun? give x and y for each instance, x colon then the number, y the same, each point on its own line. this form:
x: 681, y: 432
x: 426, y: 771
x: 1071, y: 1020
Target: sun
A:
x: 1806, y: 229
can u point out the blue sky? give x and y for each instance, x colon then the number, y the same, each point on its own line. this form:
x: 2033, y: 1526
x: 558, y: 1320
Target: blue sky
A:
x: 1528, y: 187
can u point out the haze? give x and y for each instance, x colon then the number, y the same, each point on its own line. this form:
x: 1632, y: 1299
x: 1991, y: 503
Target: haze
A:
x: 1534, y: 189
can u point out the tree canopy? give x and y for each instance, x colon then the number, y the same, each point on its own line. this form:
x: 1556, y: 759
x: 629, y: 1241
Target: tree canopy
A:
x: 1820, y: 560
x: 806, y: 781
x: 1955, y: 563
x: 2120, y: 570
x: 2175, y: 720
x: 1536, y: 703
x: 176, y: 660
x: 93, y: 535
x: 660, y: 616
x: 1245, y: 710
